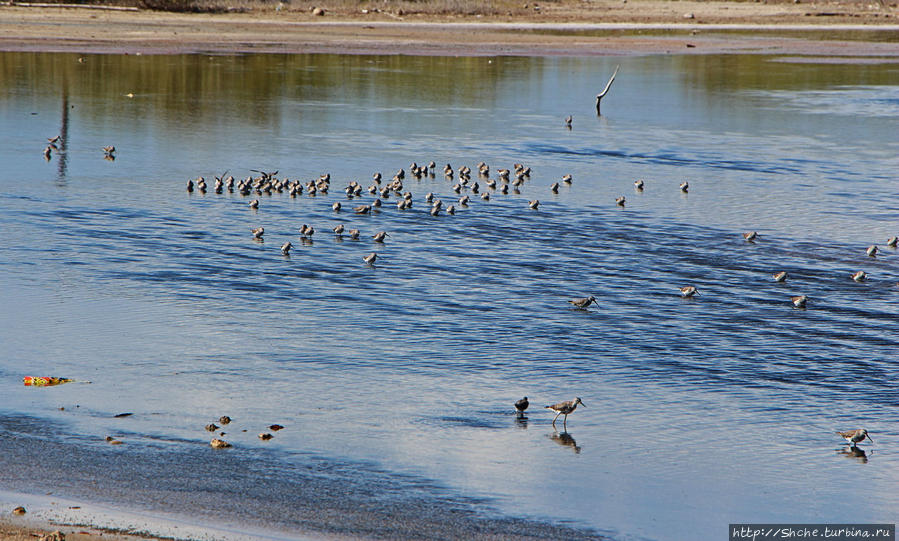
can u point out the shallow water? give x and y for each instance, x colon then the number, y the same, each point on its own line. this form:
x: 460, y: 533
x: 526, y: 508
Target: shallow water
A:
x: 698, y: 412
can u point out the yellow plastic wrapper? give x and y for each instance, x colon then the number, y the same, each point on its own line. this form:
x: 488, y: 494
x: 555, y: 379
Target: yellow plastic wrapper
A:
x: 38, y: 381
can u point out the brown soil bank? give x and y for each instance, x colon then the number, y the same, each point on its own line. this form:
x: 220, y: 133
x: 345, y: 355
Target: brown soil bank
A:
x: 564, y: 27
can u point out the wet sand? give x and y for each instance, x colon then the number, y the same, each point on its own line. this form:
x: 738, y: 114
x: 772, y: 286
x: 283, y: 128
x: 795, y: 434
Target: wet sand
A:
x: 187, y: 490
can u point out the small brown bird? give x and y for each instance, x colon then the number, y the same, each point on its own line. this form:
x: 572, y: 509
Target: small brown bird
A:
x: 684, y: 186
x: 285, y: 248
x: 336, y: 206
x: 265, y: 436
x: 370, y: 258
x: 620, y: 201
x: 688, y: 291
x: 872, y: 250
x: 338, y: 229
x: 54, y: 140
x: 354, y: 234
x: 275, y: 427
x: 554, y: 187
x: 522, y: 405
x: 219, y: 444
x: 534, y: 204
x: 584, y: 302
x: 109, y: 149
x: 254, y: 204
x: 565, y: 408
x: 855, y: 436
x: 799, y: 301
x: 750, y: 236
x: 568, y: 121
x: 638, y: 185
x: 258, y: 232
x: 892, y: 242
x: 380, y: 236
x: 566, y: 179
x: 362, y: 209
x: 860, y: 276
x: 780, y: 276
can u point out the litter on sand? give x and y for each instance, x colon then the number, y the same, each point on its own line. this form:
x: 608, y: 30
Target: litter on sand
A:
x: 47, y: 381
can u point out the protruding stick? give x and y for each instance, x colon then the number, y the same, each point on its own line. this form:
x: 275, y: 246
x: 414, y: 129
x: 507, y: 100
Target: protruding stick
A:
x: 605, y: 90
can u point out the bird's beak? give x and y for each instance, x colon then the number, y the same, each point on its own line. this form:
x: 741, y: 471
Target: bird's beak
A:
x: 585, y: 405
x: 869, y: 437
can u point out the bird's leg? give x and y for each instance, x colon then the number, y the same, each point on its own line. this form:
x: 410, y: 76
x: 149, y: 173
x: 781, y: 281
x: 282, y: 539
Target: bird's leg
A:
x: 556, y: 417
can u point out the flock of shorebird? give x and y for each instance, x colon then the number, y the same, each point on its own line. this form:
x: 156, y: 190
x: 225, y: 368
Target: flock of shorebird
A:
x: 799, y: 301
x: 506, y: 180
x: 267, y: 183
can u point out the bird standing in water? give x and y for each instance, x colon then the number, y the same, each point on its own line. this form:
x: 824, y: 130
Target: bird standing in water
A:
x: 855, y: 436
x: 522, y: 405
x: 565, y: 408
x: 583, y: 302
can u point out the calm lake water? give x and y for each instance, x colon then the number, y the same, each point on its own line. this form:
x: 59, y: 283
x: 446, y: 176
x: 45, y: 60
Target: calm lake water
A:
x: 395, y: 382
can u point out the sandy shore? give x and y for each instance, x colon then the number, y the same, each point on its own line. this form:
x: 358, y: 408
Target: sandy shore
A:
x: 593, y: 28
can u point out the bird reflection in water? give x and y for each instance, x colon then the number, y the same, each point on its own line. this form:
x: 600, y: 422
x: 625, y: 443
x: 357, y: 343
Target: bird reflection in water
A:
x: 854, y: 452
x: 566, y: 439
x: 521, y: 421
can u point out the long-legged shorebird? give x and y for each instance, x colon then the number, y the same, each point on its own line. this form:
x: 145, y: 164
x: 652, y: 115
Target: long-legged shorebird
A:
x: 854, y: 436
x: 638, y: 185
x: 583, y: 302
x: 285, y: 248
x: 258, y: 232
x: 799, y: 301
x: 565, y: 408
x: 685, y: 186
x: 522, y: 405
x: 860, y: 276
x: 534, y: 204
x: 370, y: 258
x: 872, y: 250
x: 892, y: 242
x: 750, y: 236
x: 688, y: 291
x: 780, y: 276
x: 380, y: 236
